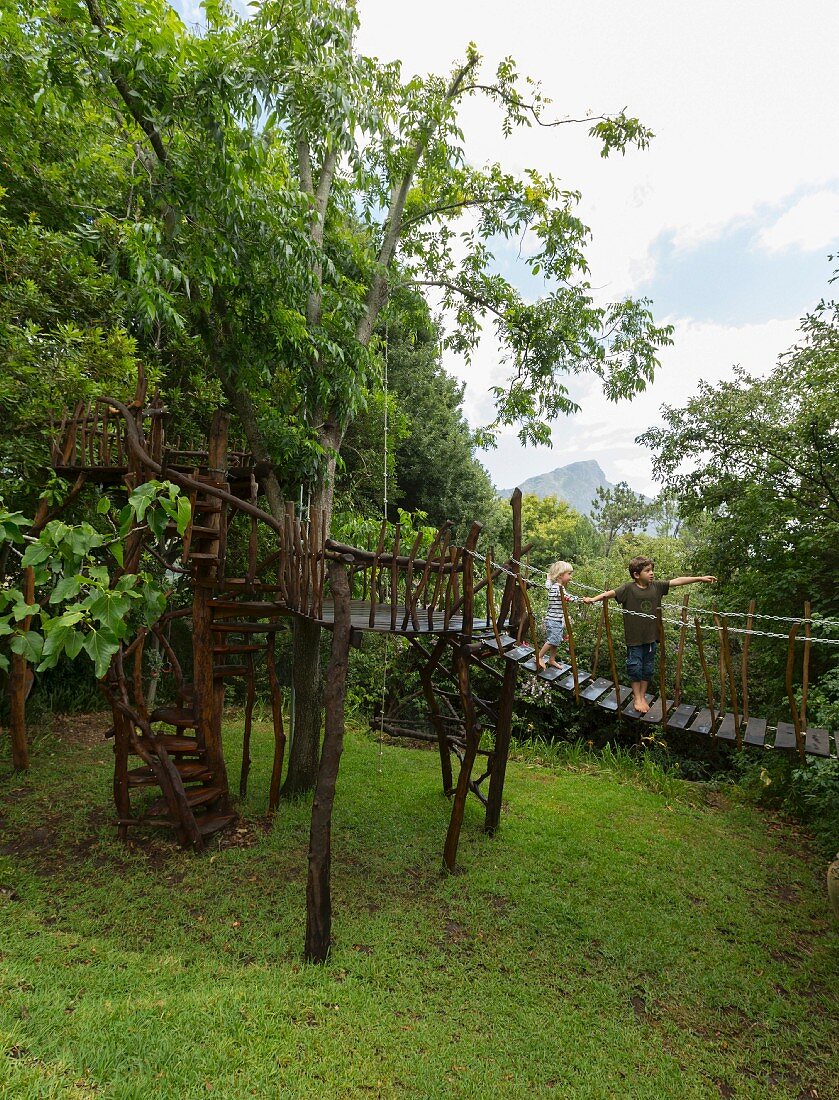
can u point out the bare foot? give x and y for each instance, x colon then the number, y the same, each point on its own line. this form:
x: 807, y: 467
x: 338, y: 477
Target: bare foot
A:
x: 539, y: 666
x: 554, y: 664
x: 642, y: 706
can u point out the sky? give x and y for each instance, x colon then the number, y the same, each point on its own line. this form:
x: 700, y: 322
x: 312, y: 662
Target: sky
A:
x: 726, y: 222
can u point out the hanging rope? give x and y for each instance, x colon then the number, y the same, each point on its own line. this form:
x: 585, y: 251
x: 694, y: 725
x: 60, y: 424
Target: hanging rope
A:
x: 384, y: 519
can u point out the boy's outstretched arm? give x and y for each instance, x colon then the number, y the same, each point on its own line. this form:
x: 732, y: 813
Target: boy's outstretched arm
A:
x: 676, y: 582
x: 603, y: 596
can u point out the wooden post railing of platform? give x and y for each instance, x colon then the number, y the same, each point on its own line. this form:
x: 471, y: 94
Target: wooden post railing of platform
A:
x: 744, y: 660
x: 607, y: 627
x: 469, y: 548
x: 318, y: 888
x: 680, y: 652
x: 508, y: 612
x: 662, y: 667
x: 572, y: 649
x: 731, y: 681
x: 805, y: 672
x: 793, y: 705
x: 709, y: 687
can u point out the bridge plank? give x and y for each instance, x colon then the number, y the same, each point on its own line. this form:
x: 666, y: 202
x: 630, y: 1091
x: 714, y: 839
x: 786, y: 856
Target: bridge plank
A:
x: 755, y: 732
x: 817, y: 742
x: 608, y: 700
x: 519, y: 653
x: 681, y: 716
x: 654, y: 713
x: 702, y: 723
x: 506, y: 642
x: 567, y: 684
x: 597, y: 688
x: 785, y: 736
x: 726, y: 730
x: 630, y: 711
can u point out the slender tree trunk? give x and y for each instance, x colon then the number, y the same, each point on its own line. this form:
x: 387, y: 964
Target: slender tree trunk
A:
x: 318, y: 894
x: 308, y: 683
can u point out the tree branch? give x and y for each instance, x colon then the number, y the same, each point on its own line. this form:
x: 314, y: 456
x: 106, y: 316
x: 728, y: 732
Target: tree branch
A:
x: 121, y: 86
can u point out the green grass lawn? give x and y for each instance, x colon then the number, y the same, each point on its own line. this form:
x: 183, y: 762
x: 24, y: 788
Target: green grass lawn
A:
x: 609, y: 942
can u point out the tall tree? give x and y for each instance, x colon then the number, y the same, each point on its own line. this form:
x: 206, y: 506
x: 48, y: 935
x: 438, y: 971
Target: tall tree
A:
x: 619, y: 510
x: 281, y: 183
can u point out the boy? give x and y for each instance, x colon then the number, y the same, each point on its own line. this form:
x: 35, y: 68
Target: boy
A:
x: 643, y: 596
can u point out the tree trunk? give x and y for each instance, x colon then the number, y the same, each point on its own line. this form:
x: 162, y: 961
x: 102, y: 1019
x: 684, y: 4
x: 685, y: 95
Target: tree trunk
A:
x: 308, y: 702
x: 308, y: 685
x: 318, y: 895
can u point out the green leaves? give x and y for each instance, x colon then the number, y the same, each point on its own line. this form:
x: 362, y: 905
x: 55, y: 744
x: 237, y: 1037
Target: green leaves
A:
x: 90, y: 611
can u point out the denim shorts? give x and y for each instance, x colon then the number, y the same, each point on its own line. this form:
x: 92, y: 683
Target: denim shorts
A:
x: 640, y: 662
x: 554, y: 632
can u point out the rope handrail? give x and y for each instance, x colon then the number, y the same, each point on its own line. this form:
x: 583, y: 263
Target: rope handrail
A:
x: 812, y: 620
x: 677, y: 622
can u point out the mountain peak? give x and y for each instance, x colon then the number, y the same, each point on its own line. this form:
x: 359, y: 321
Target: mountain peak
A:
x: 577, y: 484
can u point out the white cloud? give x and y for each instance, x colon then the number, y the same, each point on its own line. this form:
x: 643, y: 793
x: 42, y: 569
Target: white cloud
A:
x: 606, y: 432
x: 811, y: 224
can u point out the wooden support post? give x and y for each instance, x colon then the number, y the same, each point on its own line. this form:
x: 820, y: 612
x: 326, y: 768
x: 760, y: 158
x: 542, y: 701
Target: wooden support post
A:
x: 246, y: 734
x: 572, y: 651
x: 510, y: 611
x: 279, y: 731
x: 607, y: 626
x: 662, y: 668
x: 805, y: 675
x: 744, y: 660
x: 793, y: 706
x: 318, y: 892
x: 677, y: 686
x: 709, y: 687
x: 469, y: 753
x: 469, y: 549
x: 426, y: 673
x: 732, y: 685
x: 502, y: 748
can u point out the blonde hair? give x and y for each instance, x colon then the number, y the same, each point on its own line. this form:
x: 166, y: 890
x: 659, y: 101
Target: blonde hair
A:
x: 557, y: 569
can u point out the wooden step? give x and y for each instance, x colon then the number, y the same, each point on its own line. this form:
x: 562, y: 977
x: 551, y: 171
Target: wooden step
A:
x: 196, y: 796
x: 182, y: 717
x: 176, y: 746
x: 189, y: 771
x: 230, y: 670
x: 202, y: 557
x: 209, y: 823
x: 208, y: 507
x: 196, y: 529
x: 238, y: 649
x: 248, y: 628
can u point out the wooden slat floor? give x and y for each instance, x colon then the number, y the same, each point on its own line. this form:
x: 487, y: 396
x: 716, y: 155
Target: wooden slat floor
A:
x: 599, y: 691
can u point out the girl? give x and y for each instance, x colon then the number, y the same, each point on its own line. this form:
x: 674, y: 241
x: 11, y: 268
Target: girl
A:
x: 559, y: 575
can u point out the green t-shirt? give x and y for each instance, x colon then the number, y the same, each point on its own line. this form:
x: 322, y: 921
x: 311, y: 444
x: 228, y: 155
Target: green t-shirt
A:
x: 644, y: 601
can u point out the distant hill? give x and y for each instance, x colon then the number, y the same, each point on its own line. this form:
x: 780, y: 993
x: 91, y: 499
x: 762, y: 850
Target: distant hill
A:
x: 577, y: 483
